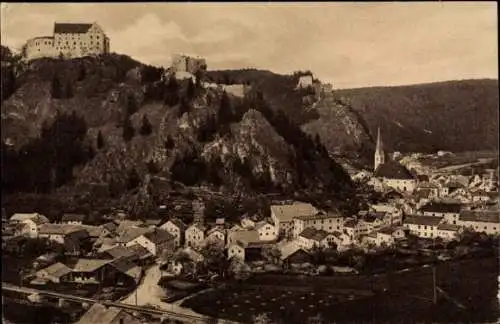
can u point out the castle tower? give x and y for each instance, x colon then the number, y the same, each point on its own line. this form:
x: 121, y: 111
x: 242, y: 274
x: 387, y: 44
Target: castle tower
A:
x: 379, y: 151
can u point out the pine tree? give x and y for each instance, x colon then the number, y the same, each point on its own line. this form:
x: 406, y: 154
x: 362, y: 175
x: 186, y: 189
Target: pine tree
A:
x: 82, y: 73
x: 169, y: 143
x: 128, y: 130
x: 146, y: 127
x: 184, y: 107
x: 69, y: 90
x: 131, y: 105
x: 191, y: 91
x: 152, y: 167
x: 100, y: 140
x: 56, y: 90
x: 133, y: 180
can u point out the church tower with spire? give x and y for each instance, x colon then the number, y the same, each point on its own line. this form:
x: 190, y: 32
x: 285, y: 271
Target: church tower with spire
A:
x: 379, y: 151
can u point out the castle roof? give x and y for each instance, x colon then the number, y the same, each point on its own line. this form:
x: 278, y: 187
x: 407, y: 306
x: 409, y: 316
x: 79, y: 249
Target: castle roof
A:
x: 68, y: 28
x: 393, y: 170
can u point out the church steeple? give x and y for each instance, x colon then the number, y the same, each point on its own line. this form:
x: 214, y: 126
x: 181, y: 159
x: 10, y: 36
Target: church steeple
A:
x: 379, y: 151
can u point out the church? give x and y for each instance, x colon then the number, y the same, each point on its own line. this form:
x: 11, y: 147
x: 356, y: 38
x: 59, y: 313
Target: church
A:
x: 392, y: 174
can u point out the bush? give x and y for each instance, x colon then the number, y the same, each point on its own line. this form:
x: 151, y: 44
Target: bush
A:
x: 146, y: 127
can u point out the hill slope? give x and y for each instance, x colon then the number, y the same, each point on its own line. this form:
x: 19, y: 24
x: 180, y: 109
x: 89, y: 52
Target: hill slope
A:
x: 455, y: 115
x: 113, y: 121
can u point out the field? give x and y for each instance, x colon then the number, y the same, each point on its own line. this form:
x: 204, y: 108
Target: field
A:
x: 408, y: 297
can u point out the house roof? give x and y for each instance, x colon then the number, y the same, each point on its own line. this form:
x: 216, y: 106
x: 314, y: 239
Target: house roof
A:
x: 350, y: 223
x: 448, y: 227
x: 428, y: 185
x: 199, y: 226
x: 286, y: 213
x: 422, y: 177
x: 35, y: 217
x: 373, y: 216
x: 132, y: 233
x: 288, y: 249
x: 422, y: 220
x: 126, y: 224
x: 73, y: 217
x: 314, y: 234
x: 127, y: 267
x: 67, y: 28
x: 59, y: 229
x: 152, y: 222
x: 319, y: 215
x: 100, y: 314
x: 159, y: 236
x: 216, y: 229
x: 480, y: 193
x: 140, y: 251
x: 89, y: 265
x: 110, y: 226
x: 440, y: 207
x: 484, y: 216
x: 180, y: 224
x: 245, y: 236
x: 261, y: 224
x: 220, y: 221
x: 393, y: 170
x: 94, y: 231
x: 56, y: 270
x: 423, y: 193
x: 388, y: 230
x: 119, y: 251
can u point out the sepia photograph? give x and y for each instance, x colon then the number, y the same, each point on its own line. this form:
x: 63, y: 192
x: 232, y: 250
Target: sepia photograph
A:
x: 253, y: 163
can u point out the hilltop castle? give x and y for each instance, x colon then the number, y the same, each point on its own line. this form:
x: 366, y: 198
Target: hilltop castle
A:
x: 70, y: 41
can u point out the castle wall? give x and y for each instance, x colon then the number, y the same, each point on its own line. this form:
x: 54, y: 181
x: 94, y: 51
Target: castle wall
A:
x: 40, y: 47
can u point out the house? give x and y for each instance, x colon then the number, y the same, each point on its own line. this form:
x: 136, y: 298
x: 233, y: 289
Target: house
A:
x: 247, y: 222
x: 351, y: 227
x: 450, y: 188
x: 73, y: 219
x: 393, y: 216
x: 109, y: 229
x: 244, y: 236
x: 246, y: 251
x: 176, y: 228
x: 101, y: 314
x: 152, y: 222
x: 422, y: 226
x: 292, y: 253
x: 195, y: 235
x: 389, y: 235
x: 155, y: 241
x: 135, y: 253
x: 479, y: 196
x: 433, y: 189
x: 62, y: 233
x: 283, y: 215
x: 329, y: 222
x: 89, y: 271
x: 267, y: 232
x: 449, y: 232
x: 55, y: 273
x: 372, y: 221
x: 305, y: 81
x: 450, y: 211
x: 126, y: 236
x: 481, y: 221
x: 69, y: 40
x: 216, y: 234
x: 124, y: 272
x: 311, y: 237
x: 32, y: 222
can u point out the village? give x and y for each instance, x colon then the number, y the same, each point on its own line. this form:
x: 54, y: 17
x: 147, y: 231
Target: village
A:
x: 435, y: 208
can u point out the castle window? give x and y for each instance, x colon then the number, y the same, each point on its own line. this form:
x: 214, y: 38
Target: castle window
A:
x: 74, y: 43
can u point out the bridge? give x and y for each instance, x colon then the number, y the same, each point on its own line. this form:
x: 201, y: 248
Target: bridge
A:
x: 163, y: 314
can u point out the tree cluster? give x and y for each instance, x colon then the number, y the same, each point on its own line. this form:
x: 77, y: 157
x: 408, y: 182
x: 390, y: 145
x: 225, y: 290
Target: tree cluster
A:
x: 47, y: 162
x: 61, y: 88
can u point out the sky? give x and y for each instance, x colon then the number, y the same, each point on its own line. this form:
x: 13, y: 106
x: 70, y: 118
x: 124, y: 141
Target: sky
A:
x: 347, y: 44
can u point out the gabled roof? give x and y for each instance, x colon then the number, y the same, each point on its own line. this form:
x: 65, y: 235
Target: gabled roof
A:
x: 59, y: 229
x: 89, y: 265
x: 68, y: 28
x: 314, y: 234
x: 110, y: 226
x: 422, y: 220
x: 373, y: 216
x: 484, y: 216
x: 393, y: 170
x: 159, y: 236
x: 388, y: 230
x: 178, y: 223
x: 127, y: 267
x: 56, y: 270
x: 245, y: 236
x: 132, y: 233
x: 35, y: 217
x: 440, y: 207
x: 319, y: 215
x: 286, y: 213
x: 288, y: 249
x: 261, y: 224
x: 448, y: 227
x: 73, y: 218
